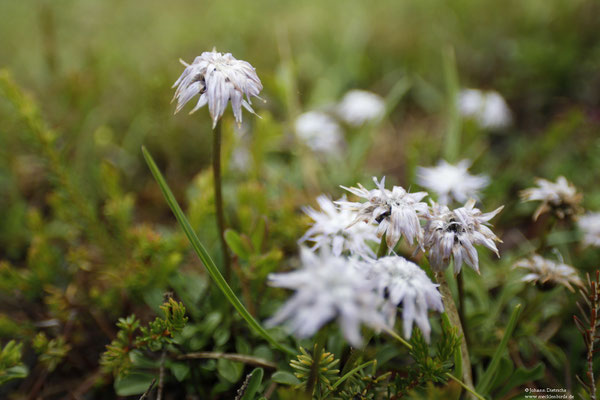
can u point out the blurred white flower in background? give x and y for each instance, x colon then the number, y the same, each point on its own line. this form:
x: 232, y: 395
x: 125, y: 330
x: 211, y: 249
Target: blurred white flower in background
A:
x: 452, y: 182
x: 401, y: 282
x: 488, y: 108
x: 331, y: 229
x: 549, y: 273
x: 360, y: 106
x: 453, y: 234
x: 218, y: 78
x: 589, y: 225
x: 320, y: 132
x: 326, y: 288
x: 396, y: 211
x: 560, y: 197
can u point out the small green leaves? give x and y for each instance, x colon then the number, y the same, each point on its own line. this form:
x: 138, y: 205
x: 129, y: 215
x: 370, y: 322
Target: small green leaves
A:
x: 11, y: 366
x: 51, y: 352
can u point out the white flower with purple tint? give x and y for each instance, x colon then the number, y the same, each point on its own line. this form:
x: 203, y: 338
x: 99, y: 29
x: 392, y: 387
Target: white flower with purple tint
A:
x: 359, y: 107
x: 218, y: 78
x: 396, y: 211
x: 330, y: 229
x: 453, y: 234
x: 402, y: 283
x: 328, y: 288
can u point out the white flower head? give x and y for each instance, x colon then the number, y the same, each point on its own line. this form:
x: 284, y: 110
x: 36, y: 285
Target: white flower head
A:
x: 320, y: 132
x: 359, y: 107
x: 489, y: 108
x: 589, y: 224
x: 453, y: 234
x: 548, y: 273
x: 396, y: 211
x: 330, y: 229
x: 218, y: 78
x: 560, y: 197
x: 327, y: 288
x: 452, y: 182
x: 402, y: 282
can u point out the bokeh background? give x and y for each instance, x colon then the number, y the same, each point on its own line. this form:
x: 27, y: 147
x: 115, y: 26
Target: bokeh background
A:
x: 86, y: 238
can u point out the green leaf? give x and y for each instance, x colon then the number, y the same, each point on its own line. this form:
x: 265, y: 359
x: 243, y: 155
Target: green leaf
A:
x: 505, y: 370
x: 254, y: 382
x: 200, y: 250
x: 237, y: 244
x: 16, y: 372
x: 485, y: 383
x: 133, y: 383
x: 285, y: 378
x: 180, y: 370
x: 521, y: 376
x: 230, y: 370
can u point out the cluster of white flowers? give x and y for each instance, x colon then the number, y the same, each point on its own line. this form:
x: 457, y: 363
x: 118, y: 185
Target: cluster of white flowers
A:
x: 322, y: 133
x: 218, y: 78
x: 488, y: 109
x: 452, y: 182
x: 340, y: 279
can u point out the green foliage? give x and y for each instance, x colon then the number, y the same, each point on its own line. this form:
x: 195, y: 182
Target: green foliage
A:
x: 11, y: 366
x: 121, y: 353
x: 51, y: 352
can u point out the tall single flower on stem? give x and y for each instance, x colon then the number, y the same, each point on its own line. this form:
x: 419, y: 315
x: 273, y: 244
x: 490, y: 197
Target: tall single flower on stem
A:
x: 396, y: 211
x: 218, y: 78
x: 453, y: 234
x: 452, y: 182
x: 328, y: 287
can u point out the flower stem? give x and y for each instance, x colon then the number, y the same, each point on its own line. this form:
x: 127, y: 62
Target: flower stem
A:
x: 216, y: 159
x: 454, y: 318
x: 461, y: 305
x: 383, y: 248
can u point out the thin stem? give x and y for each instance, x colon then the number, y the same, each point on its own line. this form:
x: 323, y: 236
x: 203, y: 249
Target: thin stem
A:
x: 448, y: 374
x: 454, y: 318
x: 461, y: 305
x: 246, y: 359
x: 216, y: 161
x: 161, y: 376
x: 383, y: 248
x: 147, y: 392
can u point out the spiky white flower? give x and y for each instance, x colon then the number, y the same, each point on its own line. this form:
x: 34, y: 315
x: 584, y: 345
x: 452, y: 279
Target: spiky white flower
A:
x: 453, y: 234
x: 546, y: 272
x: 402, y: 282
x: 330, y: 229
x: 489, y: 108
x: 589, y: 224
x: 327, y: 288
x: 396, y: 211
x: 561, y: 197
x: 452, y: 182
x: 218, y: 78
x: 360, y: 106
x: 321, y: 133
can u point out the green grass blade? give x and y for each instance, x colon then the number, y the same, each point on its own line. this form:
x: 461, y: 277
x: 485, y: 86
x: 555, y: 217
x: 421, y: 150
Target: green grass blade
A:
x: 486, y: 380
x: 453, y: 133
x: 206, y: 259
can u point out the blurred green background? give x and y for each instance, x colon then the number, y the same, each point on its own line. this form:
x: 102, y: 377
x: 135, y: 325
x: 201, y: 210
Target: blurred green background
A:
x: 89, y: 233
